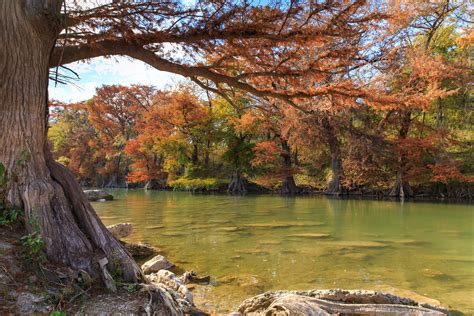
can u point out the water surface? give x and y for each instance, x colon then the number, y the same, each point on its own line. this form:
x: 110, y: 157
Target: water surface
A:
x: 254, y: 244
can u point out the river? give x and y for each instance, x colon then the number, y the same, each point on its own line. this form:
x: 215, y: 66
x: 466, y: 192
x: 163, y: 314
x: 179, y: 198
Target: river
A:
x: 253, y: 244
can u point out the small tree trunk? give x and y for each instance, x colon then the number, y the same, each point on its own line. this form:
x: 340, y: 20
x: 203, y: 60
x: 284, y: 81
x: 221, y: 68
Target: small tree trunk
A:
x: 401, y: 188
x: 335, y: 186
x: 195, y: 155
x: 238, y: 184
x: 288, y: 185
x: 208, y: 151
x: 50, y: 196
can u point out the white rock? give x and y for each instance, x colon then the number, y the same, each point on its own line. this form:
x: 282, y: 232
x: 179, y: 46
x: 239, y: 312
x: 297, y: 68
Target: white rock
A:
x: 171, y: 281
x: 156, y: 264
x: 29, y: 303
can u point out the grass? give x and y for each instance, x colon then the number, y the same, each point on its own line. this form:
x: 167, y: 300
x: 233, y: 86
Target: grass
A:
x: 198, y: 184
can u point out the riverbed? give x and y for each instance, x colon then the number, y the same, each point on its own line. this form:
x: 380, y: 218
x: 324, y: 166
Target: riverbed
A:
x: 257, y: 243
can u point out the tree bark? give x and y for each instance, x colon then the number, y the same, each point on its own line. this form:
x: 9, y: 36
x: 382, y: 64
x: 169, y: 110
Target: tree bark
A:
x: 288, y: 185
x: 402, y: 188
x: 195, y: 155
x: 335, y: 186
x: 53, y: 201
x: 238, y: 184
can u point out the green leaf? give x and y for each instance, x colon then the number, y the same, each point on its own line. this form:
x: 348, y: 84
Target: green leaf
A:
x: 2, y: 170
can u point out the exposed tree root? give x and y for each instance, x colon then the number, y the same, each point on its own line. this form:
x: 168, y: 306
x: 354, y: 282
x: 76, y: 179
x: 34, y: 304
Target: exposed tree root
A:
x: 401, y: 188
x: 238, y: 184
x: 327, y: 302
x: 288, y: 186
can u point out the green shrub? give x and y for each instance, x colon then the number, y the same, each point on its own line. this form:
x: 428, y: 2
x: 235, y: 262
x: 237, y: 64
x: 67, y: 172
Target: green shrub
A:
x: 208, y: 184
x: 33, y: 246
x: 132, y: 288
x: 3, y: 175
x: 9, y: 216
x: 33, y: 243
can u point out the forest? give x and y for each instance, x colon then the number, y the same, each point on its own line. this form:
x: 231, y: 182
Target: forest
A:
x: 417, y: 140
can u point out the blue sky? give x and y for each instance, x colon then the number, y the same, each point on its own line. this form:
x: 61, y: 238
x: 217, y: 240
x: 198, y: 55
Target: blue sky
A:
x: 114, y: 70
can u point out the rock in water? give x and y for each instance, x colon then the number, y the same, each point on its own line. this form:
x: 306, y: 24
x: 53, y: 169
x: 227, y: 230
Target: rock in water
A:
x: 192, y: 277
x: 156, y: 264
x: 140, y: 250
x: 121, y: 230
x: 96, y: 195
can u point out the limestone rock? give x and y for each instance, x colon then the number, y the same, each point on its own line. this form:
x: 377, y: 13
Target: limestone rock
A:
x: 97, y: 195
x: 295, y: 305
x: 172, y: 282
x: 156, y: 264
x: 140, y: 250
x: 192, y: 277
x: 423, y: 300
x: 121, y: 230
x: 29, y: 303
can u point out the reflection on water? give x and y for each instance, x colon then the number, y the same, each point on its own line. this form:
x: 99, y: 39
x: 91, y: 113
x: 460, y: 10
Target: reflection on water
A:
x: 257, y: 243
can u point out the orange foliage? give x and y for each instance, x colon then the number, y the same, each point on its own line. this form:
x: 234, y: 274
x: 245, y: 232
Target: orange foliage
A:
x: 266, y: 153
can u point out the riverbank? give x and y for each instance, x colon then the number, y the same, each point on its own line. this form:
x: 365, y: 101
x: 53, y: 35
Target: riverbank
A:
x: 434, y: 192
x: 29, y: 286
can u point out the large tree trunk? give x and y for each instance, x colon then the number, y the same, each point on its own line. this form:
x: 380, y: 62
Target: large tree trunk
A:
x: 335, y: 186
x: 288, y: 185
x: 50, y: 196
x: 402, y: 188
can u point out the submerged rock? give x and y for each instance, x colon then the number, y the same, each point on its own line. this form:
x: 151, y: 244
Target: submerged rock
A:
x: 156, y: 264
x: 140, y: 250
x: 121, y: 230
x: 229, y: 229
x: 252, y: 284
x: 268, y: 225
x: 411, y: 242
x: 192, y: 277
x: 269, y: 242
x: 254, y: 251
x: 434, y: 274
x: 359, y: 244
x: 357, y: 256
x: 310, y: 235
x: 227, y: 279
x: 97, y: 195
x: 155, y: 227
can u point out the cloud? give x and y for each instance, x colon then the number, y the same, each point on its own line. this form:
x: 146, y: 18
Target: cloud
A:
x: 115, y: 70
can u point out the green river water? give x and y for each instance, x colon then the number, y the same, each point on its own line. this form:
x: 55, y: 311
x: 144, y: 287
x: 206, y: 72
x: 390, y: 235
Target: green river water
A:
x: 258, y: 243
